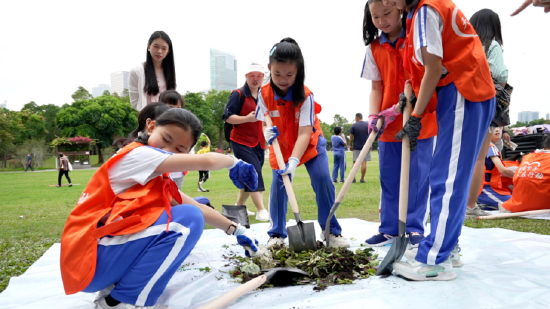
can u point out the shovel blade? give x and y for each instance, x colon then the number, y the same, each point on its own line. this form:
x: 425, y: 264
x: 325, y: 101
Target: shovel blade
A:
x: 301, y: 237
x: 395, y: 253
x: 283, y: 276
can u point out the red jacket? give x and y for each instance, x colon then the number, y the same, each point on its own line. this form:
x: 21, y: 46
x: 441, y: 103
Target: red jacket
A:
x: 134, y: 210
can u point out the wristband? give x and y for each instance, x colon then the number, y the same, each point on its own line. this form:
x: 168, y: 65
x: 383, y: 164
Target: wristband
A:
x: 235, y: 161
x: 232, y: 229
x: 417, y: 116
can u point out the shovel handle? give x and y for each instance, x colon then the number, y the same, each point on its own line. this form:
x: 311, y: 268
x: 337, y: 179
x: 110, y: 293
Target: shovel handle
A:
x: 237, y: 292
x: 515, y: 214
x: 282, y: 166
x: 405, y: 164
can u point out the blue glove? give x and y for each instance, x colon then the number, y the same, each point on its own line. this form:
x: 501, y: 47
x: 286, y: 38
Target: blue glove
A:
x: 247, y: 240
x: 271, y: 133
x: 243, y: 174
x: 290, y: 168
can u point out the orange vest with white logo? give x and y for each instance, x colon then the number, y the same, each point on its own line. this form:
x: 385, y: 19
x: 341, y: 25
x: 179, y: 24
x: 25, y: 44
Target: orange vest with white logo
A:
x: 463, y: 54
x: 130, y: 212
x: 531, y: 184
x: 393, y: 83
x: 287, y: 119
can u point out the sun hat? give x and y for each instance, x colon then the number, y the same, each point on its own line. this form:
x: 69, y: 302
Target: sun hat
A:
x: 254, y: 67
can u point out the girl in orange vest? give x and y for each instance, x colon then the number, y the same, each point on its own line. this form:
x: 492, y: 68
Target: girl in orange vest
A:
x: 383, y: 65
x: 443, y: 54
x: 131, y: 228
x: 292, y: 109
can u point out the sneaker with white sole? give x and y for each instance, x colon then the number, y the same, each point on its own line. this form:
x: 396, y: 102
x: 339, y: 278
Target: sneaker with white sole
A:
x: 455, y: 256
x: 475, y: 212
x: 379, y: 240
x: 250, y: 213
x: 102, y: 304
x: 274, y: 240
x: 263, y: 215
x: 104, y: 293
x: 502, y: 209
x: 417, y: 271
x: 336, y: 240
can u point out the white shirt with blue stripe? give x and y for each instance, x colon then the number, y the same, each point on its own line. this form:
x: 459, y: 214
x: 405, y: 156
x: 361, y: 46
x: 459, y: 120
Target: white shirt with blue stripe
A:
x: 307, y: 111
x: 428, y: 28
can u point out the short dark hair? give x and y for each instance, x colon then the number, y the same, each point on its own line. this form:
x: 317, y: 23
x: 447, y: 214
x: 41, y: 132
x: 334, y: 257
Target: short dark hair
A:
x: 171, y: 97
x: 179, y: 117
x: 287, y: 50
x: 546, y: 144
x: 487, y: 25
x: 359, y: 115
x: 204, y: 143
x: 337, y: 130
x: 151, y: 85
x: 60, y: 155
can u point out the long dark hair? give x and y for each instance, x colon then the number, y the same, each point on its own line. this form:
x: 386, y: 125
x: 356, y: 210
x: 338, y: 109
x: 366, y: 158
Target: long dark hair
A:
x: 150, y: 111
x: 411, y: 4
x: 370, y: 32
x: 151, y: 85
x: 487, y: 25
x: 288, y: 51
x: 179, y: 117
x: 171, y: 97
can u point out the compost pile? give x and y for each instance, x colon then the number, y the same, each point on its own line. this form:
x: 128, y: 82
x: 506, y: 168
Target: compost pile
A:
x: 326, y: 266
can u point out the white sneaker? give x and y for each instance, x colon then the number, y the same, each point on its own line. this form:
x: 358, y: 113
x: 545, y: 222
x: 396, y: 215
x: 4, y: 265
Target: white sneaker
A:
x: 275, y: 241
x: 250, y: 213
x: 102, y: 304
x: 104, y: 293
x: 336, y: 240
x: 417, y: 271
x: 262, y: 215
x: 455, y: 256
x: 475, y: 212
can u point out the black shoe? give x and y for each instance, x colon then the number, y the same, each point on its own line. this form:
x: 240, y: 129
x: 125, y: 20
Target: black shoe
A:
x: 70, y: 185
x: 354, y: 180
x: 342, y: 180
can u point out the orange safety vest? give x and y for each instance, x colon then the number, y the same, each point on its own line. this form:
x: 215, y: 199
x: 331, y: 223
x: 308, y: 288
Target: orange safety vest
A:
x: 287, y: 120
x: 531, y: 184
x: 507, y: 182
x: 130, y: 212
x: 493, y: 177
x: 463, y: 54
x: 390, y: 64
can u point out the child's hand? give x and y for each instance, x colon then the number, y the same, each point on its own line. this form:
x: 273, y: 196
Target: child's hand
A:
x: 248, y: 241
x: 412, y: 129
x: 290, y: 168
x: 389, y: 115
x: 271, y: 133
x: 243, y: 174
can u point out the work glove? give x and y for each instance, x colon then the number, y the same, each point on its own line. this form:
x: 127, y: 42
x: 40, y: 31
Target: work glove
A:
x: 389, y: 116
x: 246, y: 239
x: 373, y: 119
x: 290, y: 168
x: 271, y: 133
x: 403, y: 101
x: 243, y: 174
x: 412, y: 129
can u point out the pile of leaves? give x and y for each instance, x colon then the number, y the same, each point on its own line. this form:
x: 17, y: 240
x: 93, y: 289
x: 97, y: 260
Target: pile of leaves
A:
x: 325, y: 266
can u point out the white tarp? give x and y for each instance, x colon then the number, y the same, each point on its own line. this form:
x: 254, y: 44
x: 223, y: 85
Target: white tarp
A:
x: 502, y: 269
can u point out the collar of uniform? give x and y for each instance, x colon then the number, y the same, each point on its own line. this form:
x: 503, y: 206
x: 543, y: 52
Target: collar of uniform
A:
x: 287, y: 97
x: 247, y: 92
x: 384, y: 38
x: 411, y: 13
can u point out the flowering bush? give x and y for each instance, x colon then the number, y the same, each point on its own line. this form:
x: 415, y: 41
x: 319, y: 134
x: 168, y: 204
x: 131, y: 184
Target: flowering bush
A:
x: 77, y: 143
x: 81, y: 140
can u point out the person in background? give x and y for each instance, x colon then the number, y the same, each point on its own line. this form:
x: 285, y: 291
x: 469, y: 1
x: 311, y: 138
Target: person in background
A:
x: 247, y: 139
x: 156, y: 75
x: 173, y: 99
x: 204, y: 175
x: 63, y: 170
x: 358, y: 135
x: 29, y: 163
x: 339, y: 152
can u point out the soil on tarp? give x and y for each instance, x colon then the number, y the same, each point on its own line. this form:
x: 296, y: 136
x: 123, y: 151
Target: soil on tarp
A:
x: 325, y: 266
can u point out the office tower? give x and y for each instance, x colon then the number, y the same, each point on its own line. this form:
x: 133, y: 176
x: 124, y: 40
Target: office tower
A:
x: 119, y: 82
x: 98, y: 91
x: 527, y: 116
x: 223, y: 70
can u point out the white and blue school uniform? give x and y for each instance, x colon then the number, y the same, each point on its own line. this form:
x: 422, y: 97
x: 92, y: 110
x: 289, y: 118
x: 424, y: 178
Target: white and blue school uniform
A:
x: 339, y: 153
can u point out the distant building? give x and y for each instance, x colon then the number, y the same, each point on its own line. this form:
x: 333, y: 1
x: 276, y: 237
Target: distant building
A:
x: 223, y: 70
x: 527, y: 116
x: 4, y: 105
x: 119, y: 82
x: 547, y: 116
x: 98, y: 91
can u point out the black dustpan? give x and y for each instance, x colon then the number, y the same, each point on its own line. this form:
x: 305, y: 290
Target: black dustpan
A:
x: 238, y: 212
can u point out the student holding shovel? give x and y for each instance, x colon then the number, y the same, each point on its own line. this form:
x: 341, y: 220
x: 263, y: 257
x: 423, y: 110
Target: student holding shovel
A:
x: 291, y: 107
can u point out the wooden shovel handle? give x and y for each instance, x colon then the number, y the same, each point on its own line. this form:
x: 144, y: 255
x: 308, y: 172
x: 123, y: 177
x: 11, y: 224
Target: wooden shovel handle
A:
x: 405, y: 160
x: 237, y: 292
x: 282, y: 166
x: 515, y: 214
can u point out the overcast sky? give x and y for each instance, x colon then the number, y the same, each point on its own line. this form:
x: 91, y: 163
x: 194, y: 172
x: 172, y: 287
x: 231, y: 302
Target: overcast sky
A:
x: 49, y: 48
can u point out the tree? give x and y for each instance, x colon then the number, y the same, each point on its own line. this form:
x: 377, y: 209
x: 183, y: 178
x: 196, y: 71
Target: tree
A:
x: 81, y: 94
x: 6, y: 135
x: 194, y: 102
x: 39, y: 149
x: 106, y: 92
x: 327, y: 132
x: 48, y: 112
x: 101, y: 118
x: 217, y: 100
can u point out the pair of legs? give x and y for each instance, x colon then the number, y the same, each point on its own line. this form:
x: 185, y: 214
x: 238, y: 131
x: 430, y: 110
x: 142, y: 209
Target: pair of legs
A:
x: 30, y: 166
x: 61, y: 173
x: 356, y: 153
x: 203, y: 177
x: 141, y: 264
x: 255, y: 156
x: 319, y: 173
x: 340, y: 164
x: 493, y: 197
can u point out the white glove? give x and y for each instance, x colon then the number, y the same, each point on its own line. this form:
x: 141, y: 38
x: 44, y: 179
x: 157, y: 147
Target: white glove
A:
x: 290, y: 168
x: 270, y: 133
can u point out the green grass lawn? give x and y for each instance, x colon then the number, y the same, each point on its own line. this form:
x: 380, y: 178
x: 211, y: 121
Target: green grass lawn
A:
x: 32, y: 214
